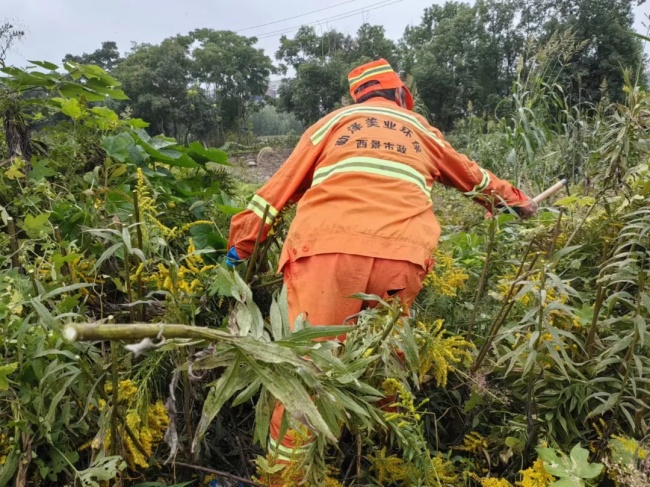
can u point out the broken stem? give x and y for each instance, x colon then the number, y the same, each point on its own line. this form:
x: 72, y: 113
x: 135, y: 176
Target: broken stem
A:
x: 13, y: 242
x: 65, y: 269
x: 135, y: 332
x: 484, y: 274
x: 114, y: 400
x: 219, y: 473
x: 138, y: 229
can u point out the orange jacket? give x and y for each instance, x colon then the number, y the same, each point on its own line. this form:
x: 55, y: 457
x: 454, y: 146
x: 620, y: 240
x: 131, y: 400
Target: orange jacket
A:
x: 363, y: 178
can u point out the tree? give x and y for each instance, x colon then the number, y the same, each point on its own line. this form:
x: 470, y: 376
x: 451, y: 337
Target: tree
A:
x: 322, y: 63
x: 308, y: 46
x: 317, y: 89
x: 603, y: 26
x: 371, y: 43
x: 235, y: 72
x: 9, y: 34
x: 461, y: 54
x: 156, y: 78
x: 107, y: 57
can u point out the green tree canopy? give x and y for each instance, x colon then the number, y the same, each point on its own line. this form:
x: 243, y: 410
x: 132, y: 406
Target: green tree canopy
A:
x: 107, y: 57
x: 234, y: 71
x: 461, y: 54
x: 156, y: 78
x: 603, y: 27
x: 322, y: 63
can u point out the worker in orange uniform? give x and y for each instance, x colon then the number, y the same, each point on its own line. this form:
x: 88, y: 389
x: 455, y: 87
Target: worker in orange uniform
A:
x: 363, y: 177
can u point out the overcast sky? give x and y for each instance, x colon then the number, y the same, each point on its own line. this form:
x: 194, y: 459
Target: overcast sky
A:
x: 57, y: 27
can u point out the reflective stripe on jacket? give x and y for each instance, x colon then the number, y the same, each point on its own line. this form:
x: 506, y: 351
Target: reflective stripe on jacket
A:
x: 363, y: 177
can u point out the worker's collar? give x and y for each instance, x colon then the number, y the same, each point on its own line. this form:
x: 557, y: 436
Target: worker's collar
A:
x: 378, y: 100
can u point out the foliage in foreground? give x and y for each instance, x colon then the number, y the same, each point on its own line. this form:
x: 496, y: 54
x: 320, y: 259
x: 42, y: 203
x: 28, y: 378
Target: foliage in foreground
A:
x: 526, y: 363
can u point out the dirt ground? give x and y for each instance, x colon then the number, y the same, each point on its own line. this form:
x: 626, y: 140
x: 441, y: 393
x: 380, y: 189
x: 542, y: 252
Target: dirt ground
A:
x: 267, y: 161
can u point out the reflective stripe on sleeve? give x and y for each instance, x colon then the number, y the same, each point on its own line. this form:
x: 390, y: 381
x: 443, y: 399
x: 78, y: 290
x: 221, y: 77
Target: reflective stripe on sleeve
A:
x: 258, y: 205
x: 482, y: 186
x: 284, y: 452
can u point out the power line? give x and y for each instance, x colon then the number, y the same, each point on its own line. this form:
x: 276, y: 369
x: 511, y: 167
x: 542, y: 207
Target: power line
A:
x: 296, y: 16
x: 344, y: 15
x: 383, y: 3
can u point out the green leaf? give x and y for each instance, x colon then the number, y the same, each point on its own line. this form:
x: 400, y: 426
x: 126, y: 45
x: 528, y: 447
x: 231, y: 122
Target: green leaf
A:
x: 45, y: 65
x: 10, y: 467
x: 106, y: 113
x: 117, y: 146
x: 549, y: 455
x: 65, y: 289
x: 35, y: 225
x: 43, y: 313
x: 641, y: 327
x: 292, y: 394
x: 284, y: 311
x: 640, y: 36
x: 263, y: 411
x: 5, y: 370
x: 370, y: 297
x: 62, y: 390
x: 515, y: 444
x: 161, y: 142
x: 171, y: 157
x: 582, y: 467
x: 138, y: 123
x: 605, y: 407
x: 41, y: 170
x: 205, y: 237
x: 309, y: 333
x: 202, y: 155
x: 107, y: 254
x: 248, y: 318
x: 106, y: 118
x: 568, y: 482
x: 474, y: 400
x: 233, y: 379
x: 223, y: 283
x: 410, y: 348
x: 271, y: 353
x: 102, y: 469
x: 72, y: 108
x: 248, y: 393
x: 229, y: 210
x: 276, y: 320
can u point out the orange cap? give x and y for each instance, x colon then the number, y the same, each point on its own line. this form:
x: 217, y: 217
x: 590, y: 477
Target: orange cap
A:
x: 384, y: 75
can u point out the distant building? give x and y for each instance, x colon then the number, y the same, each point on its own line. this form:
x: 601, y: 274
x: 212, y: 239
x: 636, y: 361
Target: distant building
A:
x: 274, y: 87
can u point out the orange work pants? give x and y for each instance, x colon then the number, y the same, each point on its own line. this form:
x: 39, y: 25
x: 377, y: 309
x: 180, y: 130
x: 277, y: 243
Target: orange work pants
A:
x: 320, y: 287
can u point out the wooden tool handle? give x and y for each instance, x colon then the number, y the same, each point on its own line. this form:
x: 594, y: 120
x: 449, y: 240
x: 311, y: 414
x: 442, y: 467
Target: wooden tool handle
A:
x: 550, y: 191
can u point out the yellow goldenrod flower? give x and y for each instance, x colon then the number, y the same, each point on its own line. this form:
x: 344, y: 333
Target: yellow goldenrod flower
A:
x: 440, y: 354
x: 473, y: 442
x: 629, y: 446
x: 126, y: 389
x: 445, y: 279
x: 388, y: 469
x: 5, y: 448
x: 493, y: 482
x: 535, y: 476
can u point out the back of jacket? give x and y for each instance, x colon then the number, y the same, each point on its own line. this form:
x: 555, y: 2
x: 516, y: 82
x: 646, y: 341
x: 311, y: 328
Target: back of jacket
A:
x: 364, y: 176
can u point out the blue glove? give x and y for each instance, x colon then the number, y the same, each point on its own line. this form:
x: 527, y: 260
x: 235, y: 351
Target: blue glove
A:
x: 232, y: 257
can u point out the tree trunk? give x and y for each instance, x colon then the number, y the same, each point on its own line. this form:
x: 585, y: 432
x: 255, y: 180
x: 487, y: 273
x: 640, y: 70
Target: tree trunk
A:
x: 17, y: 134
